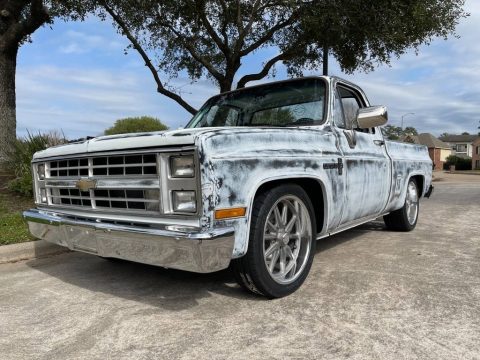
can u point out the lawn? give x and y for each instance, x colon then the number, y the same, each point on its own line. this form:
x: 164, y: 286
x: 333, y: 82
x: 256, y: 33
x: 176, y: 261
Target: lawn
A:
x: 12, y: 227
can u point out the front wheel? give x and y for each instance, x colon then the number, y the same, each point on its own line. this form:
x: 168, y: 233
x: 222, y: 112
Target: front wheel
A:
x: 405, y: 219
x: 281, y: 244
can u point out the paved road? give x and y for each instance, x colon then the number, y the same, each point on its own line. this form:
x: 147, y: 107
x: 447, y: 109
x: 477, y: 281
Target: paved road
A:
x: 371, y: 294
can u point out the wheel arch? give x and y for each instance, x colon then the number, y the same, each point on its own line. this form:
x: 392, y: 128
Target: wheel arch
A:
x: 420, y: 180
x: 312, y: 186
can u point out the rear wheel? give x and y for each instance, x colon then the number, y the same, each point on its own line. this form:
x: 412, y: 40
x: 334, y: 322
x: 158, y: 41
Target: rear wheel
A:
x: 405, y: 219
x: 281, y: 245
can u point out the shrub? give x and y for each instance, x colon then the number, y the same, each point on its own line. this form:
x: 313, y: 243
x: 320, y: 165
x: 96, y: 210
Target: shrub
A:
x: 459, y: 162
x: 136, y: 124
x: 18, y: 161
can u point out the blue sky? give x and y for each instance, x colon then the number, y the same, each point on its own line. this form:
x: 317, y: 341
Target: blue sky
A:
x: 75, y: 77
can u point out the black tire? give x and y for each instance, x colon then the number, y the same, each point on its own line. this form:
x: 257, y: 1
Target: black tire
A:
x: 398, y: 220
x: 251, y: 270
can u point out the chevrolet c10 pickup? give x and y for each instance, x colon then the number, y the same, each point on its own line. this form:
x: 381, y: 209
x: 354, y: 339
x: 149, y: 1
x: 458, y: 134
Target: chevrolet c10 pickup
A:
x: 254, y: 180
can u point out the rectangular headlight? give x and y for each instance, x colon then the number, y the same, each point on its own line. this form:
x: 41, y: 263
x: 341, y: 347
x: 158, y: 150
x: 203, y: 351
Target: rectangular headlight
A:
x: 41, y: 171
x: 182, y: 166
x: 43, y: 196
x: 184, y: 201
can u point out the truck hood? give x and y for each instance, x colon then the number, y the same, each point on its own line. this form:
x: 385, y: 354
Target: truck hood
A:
x: 126, y: 141
x: 226, y: 140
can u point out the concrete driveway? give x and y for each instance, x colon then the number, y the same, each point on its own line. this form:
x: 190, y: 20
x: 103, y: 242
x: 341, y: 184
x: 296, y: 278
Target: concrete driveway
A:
x: 371, y: 294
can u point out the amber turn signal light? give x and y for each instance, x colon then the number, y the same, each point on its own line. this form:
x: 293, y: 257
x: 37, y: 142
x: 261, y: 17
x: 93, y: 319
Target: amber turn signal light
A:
x: 229, y: 213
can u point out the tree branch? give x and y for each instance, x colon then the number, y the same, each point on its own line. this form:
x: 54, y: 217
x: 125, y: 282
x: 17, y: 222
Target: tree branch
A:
x: 187, y: 43
x: 18, y: 30
x: 264, y: 72
x: 267, y: 36
x: 223, y: 46
x: 136, y: 45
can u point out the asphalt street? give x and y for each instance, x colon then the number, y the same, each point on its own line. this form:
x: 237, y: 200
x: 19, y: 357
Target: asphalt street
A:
x: 371, y: 294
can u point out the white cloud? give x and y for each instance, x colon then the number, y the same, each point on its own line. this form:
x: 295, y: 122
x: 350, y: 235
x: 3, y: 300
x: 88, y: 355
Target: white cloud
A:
x: 441, y: 85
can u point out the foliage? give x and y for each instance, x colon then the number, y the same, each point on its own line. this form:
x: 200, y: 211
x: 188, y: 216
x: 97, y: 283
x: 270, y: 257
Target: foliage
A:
x: 19, y: 158
x: 210, y: 38
x: 459, y: 162
x: 274, y: 117
x: 392, y: 132
x: 13, y: 228
x: 136, y: 124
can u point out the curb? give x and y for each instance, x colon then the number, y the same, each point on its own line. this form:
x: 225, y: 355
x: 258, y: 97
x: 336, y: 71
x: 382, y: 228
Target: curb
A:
x: 29, y: 250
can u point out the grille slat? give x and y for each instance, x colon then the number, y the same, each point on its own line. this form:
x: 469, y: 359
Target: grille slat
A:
x: 110, y: 191
x: 131, y: 165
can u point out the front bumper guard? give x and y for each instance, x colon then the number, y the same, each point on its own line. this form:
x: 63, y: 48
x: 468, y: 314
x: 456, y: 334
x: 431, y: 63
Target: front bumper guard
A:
x: 169, y: 246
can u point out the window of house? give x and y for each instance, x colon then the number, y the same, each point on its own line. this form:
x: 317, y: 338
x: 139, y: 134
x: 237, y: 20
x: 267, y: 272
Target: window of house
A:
x: 461, y: 148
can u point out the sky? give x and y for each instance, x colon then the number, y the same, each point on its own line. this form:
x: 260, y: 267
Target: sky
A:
x: 75, y: 77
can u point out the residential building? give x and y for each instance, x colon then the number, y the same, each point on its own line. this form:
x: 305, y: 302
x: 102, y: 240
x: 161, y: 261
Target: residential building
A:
x: 437, y: 149
x: 461, y: 144
x: 476, y: 154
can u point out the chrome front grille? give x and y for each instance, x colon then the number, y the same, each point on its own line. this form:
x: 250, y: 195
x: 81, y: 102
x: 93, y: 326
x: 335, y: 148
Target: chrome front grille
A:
x: 114, y: 165
x: 128, y: 183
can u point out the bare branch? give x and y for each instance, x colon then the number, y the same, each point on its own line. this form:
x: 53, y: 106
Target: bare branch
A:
x: 148, y: 63
x: 264, y: 72
x: 267, y: 36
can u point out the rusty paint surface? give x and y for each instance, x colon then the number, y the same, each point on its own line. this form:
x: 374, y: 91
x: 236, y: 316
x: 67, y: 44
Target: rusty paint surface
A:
x: 367, y: 180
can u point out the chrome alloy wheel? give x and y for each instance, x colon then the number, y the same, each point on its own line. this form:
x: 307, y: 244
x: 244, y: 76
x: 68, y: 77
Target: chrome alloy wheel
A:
x: 286, y: 239
x: 411, y: 203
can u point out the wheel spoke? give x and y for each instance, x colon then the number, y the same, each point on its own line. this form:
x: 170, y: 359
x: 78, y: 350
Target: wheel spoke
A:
x: 271, y: 226
x: 271, y: 249
x: 291, y: 223
x: 289, y: 253
x: 274, y: 260
x: 284, y: 214
x: 291, y: 266
x: 278, y: 217
x: 270, y: 237
x: 283, y: 261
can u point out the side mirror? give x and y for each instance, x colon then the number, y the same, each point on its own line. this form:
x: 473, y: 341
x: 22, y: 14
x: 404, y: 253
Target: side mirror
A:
x: 372, y: 116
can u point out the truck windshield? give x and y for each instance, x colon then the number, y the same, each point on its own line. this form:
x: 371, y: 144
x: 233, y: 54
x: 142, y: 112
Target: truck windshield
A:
x: 291, y: 103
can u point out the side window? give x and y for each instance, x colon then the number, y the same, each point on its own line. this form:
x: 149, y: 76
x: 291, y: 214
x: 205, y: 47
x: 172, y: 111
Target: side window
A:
x: 338, y: 118
x: 351, y: 104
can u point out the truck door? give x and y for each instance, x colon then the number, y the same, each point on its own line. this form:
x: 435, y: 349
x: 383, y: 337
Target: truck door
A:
x: 365, y: 161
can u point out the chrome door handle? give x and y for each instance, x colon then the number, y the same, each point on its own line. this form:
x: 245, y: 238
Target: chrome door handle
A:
x: 379, y: 142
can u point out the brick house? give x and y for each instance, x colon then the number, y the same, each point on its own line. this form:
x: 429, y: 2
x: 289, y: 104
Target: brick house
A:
x: 437, y: 149
x: 476, y: 154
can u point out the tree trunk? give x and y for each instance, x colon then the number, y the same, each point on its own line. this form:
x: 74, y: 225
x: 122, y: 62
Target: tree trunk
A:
x: 325, y: 60
x: 8, y: 121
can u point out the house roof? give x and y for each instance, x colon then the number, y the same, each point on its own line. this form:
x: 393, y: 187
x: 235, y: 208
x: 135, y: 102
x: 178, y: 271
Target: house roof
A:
x: 459, y: 138
x: 428, y: 140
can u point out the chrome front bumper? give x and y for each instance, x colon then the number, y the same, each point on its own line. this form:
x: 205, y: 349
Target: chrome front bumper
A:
x: 174, y: 247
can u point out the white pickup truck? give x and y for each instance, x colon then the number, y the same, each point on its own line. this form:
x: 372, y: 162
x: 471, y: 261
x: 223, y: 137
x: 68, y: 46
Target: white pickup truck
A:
x: 253, y: 181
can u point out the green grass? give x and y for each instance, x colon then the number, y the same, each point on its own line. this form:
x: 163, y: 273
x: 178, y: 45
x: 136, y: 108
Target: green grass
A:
x: 13, y: 228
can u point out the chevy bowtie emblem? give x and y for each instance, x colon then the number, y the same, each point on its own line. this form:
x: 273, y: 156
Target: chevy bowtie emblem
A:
x: 86, y: 184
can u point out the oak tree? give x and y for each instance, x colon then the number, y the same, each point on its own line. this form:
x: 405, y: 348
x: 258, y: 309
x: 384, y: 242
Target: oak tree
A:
x: 211, y: 38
